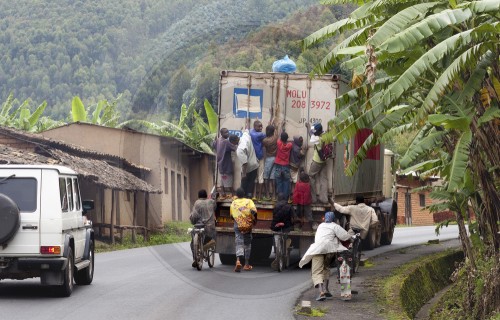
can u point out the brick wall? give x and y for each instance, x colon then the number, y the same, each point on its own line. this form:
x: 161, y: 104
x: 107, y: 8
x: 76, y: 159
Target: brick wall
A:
x: 419, y: 215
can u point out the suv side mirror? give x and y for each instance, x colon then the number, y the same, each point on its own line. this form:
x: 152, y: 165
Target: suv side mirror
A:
x: 87, y: 205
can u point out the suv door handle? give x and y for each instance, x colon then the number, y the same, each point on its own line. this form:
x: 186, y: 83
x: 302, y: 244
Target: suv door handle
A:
x: 30, y: 227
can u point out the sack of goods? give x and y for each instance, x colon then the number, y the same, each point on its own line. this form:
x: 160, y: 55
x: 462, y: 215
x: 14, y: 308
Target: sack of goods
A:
x: 284, y: 65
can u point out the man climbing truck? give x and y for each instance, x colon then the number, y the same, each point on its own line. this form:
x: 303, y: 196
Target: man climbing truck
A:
x: 292, y: 100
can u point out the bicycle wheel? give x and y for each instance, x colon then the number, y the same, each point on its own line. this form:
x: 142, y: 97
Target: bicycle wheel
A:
x: 198, y: 251
x: 280, y: 254
x: 210, y: 254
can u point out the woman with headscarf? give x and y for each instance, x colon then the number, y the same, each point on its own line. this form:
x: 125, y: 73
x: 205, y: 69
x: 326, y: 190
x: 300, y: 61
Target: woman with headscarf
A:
x: 321, y: 252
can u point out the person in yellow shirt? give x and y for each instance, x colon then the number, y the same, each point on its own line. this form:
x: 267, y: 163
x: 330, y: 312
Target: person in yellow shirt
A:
x: 244, y: 213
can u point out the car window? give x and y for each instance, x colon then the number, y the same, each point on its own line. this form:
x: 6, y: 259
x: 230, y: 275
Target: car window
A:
x: 23, y: 191
x: 76, y: 191
x: 63, y: 193
x: 70, y: 194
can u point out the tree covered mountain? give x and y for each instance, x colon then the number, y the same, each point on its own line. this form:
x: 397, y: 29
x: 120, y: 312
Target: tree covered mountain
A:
x: 156, y: 54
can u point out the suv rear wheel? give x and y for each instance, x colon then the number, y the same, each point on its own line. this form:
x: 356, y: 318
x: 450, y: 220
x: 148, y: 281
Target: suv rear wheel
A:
x: 66, y: 288
x: 85, y: 276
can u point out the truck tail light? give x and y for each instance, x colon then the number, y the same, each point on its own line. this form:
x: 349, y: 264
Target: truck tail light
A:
x: 50, y: 250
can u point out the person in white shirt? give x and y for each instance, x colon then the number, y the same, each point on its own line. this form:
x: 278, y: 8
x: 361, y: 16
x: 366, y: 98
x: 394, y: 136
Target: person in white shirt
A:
x: 322, y: 251
x: 361, y: 216
x: 317, y: 169
x: 249, y: 164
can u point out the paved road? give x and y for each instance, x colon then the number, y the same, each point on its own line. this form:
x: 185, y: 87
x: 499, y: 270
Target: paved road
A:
x: 159, y: 283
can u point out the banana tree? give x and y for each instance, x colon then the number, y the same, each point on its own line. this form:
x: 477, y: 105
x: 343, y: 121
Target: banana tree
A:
x: 104, y: 113
x: 191, y: 128
x: 22, y: 118
x: 441, y: 70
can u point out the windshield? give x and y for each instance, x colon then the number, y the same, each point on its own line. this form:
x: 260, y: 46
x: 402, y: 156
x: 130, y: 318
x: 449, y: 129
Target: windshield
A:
x: 21, y: 190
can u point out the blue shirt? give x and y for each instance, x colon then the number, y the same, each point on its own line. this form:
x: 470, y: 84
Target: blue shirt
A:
x: 257, y: 138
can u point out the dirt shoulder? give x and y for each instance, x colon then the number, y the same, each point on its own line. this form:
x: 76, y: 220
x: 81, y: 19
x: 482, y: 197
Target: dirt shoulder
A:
x: 364, y: 304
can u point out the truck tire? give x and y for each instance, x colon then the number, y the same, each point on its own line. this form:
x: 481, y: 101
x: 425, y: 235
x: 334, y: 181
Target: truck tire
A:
x: 10, y: 218
x: 387, y: 236
x: 370, y: 241
x: 227, y: 259
x: 86, y: 275
x: 261, y: 248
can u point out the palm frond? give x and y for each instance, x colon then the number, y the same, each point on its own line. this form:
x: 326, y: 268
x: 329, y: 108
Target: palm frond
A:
x: 429, y: 26
x: 78, y: 111
x: 33, y: 119
x: 459, y: 161
x: 400, y: 21
x: 410, y: 76
x: 420, y: 145
x: 212, y: 116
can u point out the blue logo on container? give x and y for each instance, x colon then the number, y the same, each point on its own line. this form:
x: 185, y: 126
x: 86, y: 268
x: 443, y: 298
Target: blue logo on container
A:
x: 248, y: 104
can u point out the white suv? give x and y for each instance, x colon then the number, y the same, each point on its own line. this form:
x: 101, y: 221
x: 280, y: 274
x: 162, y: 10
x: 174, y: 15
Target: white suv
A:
x: 43, y: 228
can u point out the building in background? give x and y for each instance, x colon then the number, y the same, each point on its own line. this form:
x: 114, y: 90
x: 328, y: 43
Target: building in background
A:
x: 164, y: 162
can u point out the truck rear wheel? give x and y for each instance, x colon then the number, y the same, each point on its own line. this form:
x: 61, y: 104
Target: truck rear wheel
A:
x: 372, y: 240
x: 227, y: 259
x: 387, y: 236
x: 261, y: 248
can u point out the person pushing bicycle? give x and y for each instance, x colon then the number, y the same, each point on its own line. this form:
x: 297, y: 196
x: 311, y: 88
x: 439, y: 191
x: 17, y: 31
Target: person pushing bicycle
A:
x: 204, y: 212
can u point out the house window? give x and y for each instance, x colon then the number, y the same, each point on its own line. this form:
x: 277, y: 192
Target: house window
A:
x: 165, y: 183
x: 185, y: 187
x: 422, y: 200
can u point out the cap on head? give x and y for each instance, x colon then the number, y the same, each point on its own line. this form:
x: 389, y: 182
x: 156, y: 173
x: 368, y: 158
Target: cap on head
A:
x: 318, y: 128
x: 329, y: 216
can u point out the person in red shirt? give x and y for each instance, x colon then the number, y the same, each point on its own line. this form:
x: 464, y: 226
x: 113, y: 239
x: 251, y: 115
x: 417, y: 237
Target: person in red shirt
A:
x: 282, y: 165
x: 302, y: 198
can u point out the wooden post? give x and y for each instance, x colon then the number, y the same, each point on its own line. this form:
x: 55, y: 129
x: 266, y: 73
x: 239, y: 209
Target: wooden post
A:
x: 118, y: 214
x: 146, y: 218
x: 102, y: 195
x: 112, y: 228
x: 134, y: 218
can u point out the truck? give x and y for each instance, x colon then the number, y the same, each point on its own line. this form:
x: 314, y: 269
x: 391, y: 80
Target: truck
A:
x: 294, y: 100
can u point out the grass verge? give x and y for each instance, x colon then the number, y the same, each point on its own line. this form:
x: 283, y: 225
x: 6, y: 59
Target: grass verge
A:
x: 172, y: 232
x: 413, y: 284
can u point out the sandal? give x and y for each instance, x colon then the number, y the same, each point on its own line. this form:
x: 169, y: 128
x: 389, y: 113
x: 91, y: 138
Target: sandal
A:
x: 322, y: 297
x: 247, y: 267
x: 328, y: 295
x: 238, y: 267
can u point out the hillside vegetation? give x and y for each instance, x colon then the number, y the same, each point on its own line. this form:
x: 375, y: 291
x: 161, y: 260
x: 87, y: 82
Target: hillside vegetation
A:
x: 155, y: 54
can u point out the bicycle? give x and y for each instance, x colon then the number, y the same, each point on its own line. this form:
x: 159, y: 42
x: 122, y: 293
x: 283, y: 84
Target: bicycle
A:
x: 347, y: 265
x: 280, y: 249
x: 199, y: 252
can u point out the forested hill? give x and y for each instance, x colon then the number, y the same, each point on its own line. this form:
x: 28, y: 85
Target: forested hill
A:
x: 156, y: 54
